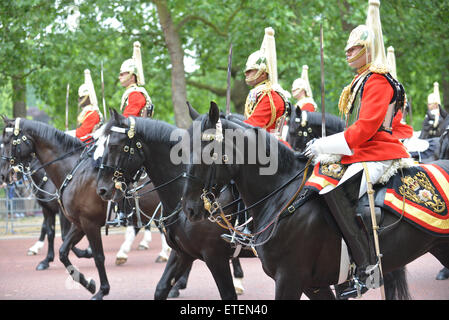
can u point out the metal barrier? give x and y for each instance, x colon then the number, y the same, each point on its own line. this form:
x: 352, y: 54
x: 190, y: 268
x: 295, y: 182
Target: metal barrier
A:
x: 19, y: 210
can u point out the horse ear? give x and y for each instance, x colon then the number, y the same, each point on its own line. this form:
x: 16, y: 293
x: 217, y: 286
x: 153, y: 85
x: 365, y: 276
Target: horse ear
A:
x: 214, y: 112
x: 5, y: 119
x: 192, y: 112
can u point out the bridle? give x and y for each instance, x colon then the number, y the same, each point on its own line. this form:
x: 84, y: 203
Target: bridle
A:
x: 216, y: 210
x: 130, y: 150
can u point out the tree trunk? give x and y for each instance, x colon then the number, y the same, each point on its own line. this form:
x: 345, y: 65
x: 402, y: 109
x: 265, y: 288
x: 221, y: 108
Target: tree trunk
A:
x: 19, y: 96
x: 178, y: 81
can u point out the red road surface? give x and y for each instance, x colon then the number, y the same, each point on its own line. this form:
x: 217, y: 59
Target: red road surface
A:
x: 137, y: 279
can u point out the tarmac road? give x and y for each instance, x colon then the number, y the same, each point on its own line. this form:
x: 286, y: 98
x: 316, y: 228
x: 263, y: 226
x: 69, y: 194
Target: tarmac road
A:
x: 137, y: 279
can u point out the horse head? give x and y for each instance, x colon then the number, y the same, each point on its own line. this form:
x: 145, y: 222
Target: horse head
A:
x: 122, y: 157
x: 220, y: 150
x: 305, y: 126
x: 17, y: 147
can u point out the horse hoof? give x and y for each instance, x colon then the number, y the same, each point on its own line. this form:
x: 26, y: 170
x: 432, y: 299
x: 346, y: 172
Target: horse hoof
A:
x: 98, y: 296
x: 239, y: 291
x: 119, y: 261
x: 92, y: 287
x: 161, y: 259
x: 42, y: 266
x: 174, y: 293
x: 31, y: 253
x: 142, y: 247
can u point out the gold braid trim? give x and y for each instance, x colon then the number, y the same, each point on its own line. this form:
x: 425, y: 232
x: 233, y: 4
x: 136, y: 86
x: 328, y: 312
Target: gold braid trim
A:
x: 273, y: 111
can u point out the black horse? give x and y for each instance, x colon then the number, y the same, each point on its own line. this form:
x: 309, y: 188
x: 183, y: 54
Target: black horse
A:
x: 299, y: 248
x: 304, y: 126
x: 44, y: 191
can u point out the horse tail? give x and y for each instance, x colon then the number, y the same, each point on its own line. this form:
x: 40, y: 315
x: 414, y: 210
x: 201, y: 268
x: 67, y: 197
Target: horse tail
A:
x: 396, y: 287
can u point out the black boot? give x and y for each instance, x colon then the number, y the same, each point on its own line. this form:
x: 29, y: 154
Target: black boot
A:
x: 342, y: 202
x: 120, y: 216
x: 443, y: 274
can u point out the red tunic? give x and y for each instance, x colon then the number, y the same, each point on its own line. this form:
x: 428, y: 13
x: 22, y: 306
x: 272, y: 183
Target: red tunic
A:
x: 401, y: 130
x: 91, y: 119
x: 262, y: 113
x: 363, y: 137
x: 136, y: 101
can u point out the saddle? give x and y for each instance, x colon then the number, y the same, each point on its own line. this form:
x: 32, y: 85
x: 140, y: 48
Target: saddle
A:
x: 419, y: 194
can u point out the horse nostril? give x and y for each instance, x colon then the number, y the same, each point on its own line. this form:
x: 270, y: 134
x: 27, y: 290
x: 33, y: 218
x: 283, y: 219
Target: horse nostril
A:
x: 102, y: 191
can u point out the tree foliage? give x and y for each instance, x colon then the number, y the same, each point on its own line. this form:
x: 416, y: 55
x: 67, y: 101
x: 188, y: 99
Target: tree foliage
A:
x: 40, y: 51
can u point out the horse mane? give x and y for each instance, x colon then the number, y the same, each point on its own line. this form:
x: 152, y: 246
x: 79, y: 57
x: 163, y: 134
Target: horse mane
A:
x: 333, y: 123
x: 47, y: 132
x: 149, y: 129
x: 286, y: 155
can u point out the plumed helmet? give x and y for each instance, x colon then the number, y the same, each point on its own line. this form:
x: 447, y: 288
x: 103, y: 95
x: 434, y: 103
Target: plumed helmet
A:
x: 434, y: 97
x: 370, y: 36
x: 391, y: 60
x: 302, y: 83
x: 87, y: 88
x: 134, y: 65
x: 264, y: 60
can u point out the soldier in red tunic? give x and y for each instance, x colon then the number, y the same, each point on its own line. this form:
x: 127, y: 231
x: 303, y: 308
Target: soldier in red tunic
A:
x: 369, y: 105
x: 266, y: 102
x: 302, y: 92
x: 135, y: 101
x: 90, y: 118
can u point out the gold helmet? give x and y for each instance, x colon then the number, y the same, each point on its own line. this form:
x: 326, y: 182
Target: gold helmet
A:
x: 134, y: 65
x: 87, y: 88
x: 264, y: 60
x: 369, y: 36
x: 302, y: 83
x: 434, y: 97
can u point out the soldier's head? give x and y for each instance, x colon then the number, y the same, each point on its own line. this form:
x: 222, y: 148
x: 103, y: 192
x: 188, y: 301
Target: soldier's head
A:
x: 365, y: 44
x: 301, y: 86
x: 256, y: 69
x: 86, y: 92
x: 131, y: 71
x: 358, y: 47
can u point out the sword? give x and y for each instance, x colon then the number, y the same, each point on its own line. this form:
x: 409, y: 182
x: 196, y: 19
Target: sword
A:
x: 102, y: 93
x: 370, y: 193
x: 67, y: 108
x: 228, y: 89
x: 323, y: 119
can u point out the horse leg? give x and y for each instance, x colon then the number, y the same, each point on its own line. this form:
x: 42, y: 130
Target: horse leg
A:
x: 221, y: 271
x: 147, y: 237
x: 288, y: 288
x: 238, y: 276
x: 34, y: 249
x: 180, y: 284
x: 65, y: 227
x: 93, y: 233
x: 165, y: 251
x: 122, y: 254
x: 441, y: 252
x: 319, y: 293
x: 50, y: 226
x: 176, y: 267
x: 72, y: 238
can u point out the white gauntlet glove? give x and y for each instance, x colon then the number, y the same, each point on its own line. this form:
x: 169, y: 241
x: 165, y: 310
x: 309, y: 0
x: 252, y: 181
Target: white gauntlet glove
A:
x: 334, y: 144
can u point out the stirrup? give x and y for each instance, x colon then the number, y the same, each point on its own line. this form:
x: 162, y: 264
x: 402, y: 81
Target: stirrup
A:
x: 119, y: 221
x: 236, y: 239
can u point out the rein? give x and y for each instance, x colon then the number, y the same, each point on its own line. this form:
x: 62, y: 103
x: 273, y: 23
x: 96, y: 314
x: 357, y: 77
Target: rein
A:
x: 229, y: 226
